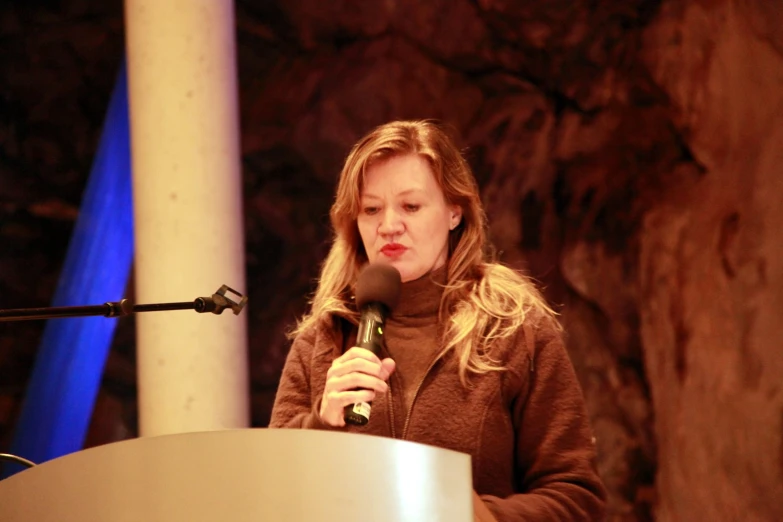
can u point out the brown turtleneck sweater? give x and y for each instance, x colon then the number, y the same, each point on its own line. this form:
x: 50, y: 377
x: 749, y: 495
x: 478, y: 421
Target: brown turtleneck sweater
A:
x: 411, y: 335
x: 526, y: 428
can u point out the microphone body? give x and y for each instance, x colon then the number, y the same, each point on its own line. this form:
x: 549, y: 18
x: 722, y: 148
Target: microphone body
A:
x: 377, y: 292
x: 370, y: 337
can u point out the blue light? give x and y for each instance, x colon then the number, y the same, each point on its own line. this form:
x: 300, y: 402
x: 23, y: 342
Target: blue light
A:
x: 64, y: 384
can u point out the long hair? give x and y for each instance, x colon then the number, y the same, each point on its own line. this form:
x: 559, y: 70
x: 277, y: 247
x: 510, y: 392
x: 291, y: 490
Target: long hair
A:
x: 482, y: 301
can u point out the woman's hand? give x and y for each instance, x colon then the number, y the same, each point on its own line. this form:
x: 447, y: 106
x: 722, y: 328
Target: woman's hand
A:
x: 355, y: 376
x: 481, y: 512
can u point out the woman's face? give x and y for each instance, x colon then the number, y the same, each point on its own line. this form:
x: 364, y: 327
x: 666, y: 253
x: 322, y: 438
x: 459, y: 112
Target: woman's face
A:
x: 404, y: 219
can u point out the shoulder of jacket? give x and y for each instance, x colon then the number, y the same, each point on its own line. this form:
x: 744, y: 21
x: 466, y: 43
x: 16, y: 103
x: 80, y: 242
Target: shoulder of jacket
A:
x: 323, y: 336
x: 524, y: 347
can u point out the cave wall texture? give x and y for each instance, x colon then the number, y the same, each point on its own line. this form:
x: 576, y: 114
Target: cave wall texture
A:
x: 628, y: 154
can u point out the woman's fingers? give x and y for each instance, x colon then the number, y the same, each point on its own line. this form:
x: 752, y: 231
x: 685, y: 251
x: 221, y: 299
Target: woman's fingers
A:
x: 333, y: 404
x: 355, y: 376
x: 357, y: 352
x: 343, y: 367
x: 342, y: 399
x: 355, y: 380
x: 387, y: 368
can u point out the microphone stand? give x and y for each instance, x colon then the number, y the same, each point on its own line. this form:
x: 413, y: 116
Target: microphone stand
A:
x: 215, y: 304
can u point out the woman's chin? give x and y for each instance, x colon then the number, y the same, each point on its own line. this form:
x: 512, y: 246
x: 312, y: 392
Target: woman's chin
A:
x: 401, y: 267
x: 407, y: 275
x: 407, y: 272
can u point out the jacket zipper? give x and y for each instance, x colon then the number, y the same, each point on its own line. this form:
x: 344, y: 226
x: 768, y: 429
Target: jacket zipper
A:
x: 390, y: 400
x: 415, y: 395
x: 389, y: 395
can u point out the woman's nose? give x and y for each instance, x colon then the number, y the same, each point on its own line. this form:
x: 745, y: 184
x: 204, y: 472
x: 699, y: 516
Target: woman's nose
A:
x: 391, y: 223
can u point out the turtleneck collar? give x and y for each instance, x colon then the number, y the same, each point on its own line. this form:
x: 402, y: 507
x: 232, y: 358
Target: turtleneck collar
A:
x: 421, y: 297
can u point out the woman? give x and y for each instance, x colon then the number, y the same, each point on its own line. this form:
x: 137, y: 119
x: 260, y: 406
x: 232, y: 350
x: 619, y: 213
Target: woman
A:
x: 473, y: 360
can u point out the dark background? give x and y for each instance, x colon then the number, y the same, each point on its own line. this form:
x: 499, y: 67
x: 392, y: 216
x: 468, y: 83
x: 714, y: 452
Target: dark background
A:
x: 628, y: 154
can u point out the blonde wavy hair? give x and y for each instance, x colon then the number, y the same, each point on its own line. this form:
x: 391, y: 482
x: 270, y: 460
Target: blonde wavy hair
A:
x: 482, y: 302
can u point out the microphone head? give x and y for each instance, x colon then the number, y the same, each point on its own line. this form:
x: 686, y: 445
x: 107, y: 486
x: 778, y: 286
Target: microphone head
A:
x: 378, y: 283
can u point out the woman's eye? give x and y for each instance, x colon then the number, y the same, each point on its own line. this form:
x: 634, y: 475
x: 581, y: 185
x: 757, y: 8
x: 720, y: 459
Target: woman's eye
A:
x: 370, y: 210
x: 411, y: 207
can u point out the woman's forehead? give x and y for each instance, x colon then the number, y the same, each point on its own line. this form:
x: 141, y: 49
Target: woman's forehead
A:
x: 399, y: 182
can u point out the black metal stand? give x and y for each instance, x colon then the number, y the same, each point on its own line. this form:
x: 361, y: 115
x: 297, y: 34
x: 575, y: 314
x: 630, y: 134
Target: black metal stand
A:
x: 18, y: 460
x: 215, y: 304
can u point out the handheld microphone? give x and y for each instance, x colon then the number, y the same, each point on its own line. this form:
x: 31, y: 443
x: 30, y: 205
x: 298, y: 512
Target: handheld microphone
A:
x: 377, y: 293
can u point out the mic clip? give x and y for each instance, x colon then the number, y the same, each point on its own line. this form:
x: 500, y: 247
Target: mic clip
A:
x: 220, y: 301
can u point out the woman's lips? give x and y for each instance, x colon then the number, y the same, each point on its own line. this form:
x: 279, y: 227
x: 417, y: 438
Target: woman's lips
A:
x: 393, y: 250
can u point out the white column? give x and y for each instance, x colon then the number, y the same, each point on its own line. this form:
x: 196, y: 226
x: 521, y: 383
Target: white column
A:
x: 182, y: 88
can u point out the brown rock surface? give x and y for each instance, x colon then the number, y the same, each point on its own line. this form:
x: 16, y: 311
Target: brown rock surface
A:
x: 711, y: 267
x: 628, y: 154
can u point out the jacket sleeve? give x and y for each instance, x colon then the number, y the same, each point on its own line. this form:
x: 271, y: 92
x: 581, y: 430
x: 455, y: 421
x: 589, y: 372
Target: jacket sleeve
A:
x: 555, y: 449
x: 294, y: 406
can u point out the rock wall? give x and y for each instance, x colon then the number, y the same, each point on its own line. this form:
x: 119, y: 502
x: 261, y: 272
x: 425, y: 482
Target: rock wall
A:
x: 711, y: 266
x: 626, y: 153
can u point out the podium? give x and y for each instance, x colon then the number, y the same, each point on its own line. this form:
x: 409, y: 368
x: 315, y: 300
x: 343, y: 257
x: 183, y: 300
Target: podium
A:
x: 246, y: 475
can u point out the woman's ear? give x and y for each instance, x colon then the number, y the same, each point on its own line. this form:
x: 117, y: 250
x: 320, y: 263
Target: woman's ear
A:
x: 455, y: 217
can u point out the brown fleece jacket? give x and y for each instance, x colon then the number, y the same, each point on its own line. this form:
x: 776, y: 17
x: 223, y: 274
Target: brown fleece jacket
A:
x: 526, y: 429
